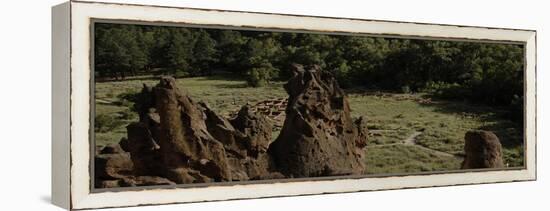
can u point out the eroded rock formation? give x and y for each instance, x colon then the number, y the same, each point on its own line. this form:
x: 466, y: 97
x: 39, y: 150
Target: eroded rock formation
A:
x: 319, y: 137
x: 482, y: 150
x: 114, y: 168
x: 180, y: 141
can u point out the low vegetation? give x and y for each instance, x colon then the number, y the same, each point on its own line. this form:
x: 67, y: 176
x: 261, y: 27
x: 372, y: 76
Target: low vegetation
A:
x: 392, y: 118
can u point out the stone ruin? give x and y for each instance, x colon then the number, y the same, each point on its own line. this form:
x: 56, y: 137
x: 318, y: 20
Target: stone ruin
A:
x: 180, y: 141
x: 273, y: 109
x: 482, y: 150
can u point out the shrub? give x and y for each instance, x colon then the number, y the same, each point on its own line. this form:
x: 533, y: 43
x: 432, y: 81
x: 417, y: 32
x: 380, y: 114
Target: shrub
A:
x: 257, y: 77
x: 405, y: 89
x: 515, y: 111
x: 127, y: 115
x: 342, y: 74
x: 447, y: 90
x: 106, y: 122
x: 260, y: 76
x: 127, y: 99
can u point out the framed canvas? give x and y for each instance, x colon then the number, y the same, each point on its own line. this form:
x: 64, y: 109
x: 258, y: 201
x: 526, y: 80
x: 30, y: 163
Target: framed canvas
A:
x: 159, y: 105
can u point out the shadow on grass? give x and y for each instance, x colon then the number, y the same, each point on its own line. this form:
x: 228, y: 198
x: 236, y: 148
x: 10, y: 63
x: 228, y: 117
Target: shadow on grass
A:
x: 236, y: 78
x: 231, y: 86
x: 129, y: 78
x: 226, y: 76
x: 369, y: 92
x: 223, y: 76
x: 497, y: 119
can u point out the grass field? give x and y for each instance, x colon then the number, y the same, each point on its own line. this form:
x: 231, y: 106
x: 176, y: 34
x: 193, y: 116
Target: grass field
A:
x: 408, y: 132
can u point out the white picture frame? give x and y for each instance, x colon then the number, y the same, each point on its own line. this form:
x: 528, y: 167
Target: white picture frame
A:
x: 71, y: 69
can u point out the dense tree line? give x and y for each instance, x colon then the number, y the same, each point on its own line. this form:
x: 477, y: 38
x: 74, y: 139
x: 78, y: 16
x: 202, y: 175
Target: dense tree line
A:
x: 482, y: 72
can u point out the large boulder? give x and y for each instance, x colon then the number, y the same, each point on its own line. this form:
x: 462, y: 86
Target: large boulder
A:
x: 482, y: 150
x: 319, y: 137
x: 111, y: 167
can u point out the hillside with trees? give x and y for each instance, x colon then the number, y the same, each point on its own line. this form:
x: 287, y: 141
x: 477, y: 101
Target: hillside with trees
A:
x: 487, y: 73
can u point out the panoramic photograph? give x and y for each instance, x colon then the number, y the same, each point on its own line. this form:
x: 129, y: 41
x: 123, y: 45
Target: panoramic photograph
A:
x: 191, y: 105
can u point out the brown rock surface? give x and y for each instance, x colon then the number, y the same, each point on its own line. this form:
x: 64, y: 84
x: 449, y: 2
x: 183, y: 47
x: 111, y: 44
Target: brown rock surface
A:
x: 482, y: 150
x: 256, y: 130
x: 132, y: 181
x: 183, y: 141
x: 113, y: 166
x: 143, y: 149
x: 146, y: 181
x: 319, y: 137
x: 109, y: 184
x: 245, y: 139
x: 362, y: 132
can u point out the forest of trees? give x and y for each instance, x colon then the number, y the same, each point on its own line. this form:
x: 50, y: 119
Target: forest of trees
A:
x: 481, y: 72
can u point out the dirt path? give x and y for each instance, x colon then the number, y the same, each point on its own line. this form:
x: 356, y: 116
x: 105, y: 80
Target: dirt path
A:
x: 105, y: 102
x: 411, y: 141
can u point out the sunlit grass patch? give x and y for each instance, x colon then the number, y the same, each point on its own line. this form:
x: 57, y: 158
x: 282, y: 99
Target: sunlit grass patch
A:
x: 406, y: 159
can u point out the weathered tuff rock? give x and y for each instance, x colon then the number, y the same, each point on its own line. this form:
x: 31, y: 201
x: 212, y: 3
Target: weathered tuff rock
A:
x: 246, y: 139
x: 178, y: 140
x: 114, y: 168
x: 483, y: 150
x: 133, y: 181
x: 319, y: 137
x: 184, y: 140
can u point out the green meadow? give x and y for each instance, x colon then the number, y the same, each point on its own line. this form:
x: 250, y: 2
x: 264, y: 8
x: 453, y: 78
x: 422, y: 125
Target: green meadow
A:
x: 407, y: 132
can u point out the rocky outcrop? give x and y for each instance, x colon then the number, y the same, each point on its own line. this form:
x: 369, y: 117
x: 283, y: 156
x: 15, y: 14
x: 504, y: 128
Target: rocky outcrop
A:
x: 256, y: 130
x: 246, y: 139
x: 133, y: 181
x: 319, y: 137
x: 114, y: 168
x: 272, y: 109
x: 184, y: 140
x: 180, y: 141
x: 482, y: 150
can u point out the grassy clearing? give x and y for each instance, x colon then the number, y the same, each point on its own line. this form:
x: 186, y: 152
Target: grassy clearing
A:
x: 442, y: 125
x: 406, y: 159
x: 391, y: 119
